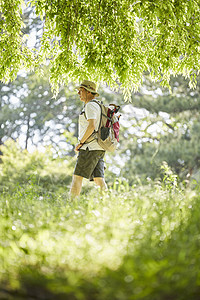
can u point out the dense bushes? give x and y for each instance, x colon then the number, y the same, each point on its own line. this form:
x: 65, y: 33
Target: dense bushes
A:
x: 21, y: 167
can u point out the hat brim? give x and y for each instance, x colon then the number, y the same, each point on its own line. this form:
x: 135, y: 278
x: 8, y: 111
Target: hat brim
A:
x: 78, y: 87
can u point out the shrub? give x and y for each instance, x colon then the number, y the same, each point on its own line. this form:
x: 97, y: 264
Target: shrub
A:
x: 19, y: 167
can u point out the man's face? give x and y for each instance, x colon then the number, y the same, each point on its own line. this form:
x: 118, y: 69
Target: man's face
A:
x: 82, y: 94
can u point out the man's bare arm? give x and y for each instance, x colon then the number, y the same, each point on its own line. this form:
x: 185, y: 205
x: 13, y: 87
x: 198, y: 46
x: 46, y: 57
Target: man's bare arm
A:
x: 89, y: 131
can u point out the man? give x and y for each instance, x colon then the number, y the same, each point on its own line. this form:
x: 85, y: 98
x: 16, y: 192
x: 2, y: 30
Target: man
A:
x: 90, y: 162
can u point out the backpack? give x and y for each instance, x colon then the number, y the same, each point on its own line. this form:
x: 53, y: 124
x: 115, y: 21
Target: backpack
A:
x: 107, y: 135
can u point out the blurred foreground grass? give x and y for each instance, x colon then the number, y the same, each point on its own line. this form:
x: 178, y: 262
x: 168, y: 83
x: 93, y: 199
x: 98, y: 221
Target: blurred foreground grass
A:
x: 138, y: 244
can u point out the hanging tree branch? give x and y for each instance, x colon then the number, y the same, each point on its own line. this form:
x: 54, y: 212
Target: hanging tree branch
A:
x: 129, y: 37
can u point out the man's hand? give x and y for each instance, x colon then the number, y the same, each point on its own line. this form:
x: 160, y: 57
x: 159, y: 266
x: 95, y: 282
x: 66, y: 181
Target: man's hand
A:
x: 78, y: 146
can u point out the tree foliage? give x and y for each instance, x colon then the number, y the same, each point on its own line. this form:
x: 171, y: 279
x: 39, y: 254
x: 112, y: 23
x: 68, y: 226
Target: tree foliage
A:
x: 14, y: 55
x: 162, y: 127
x: 113, y: 41
x: 31, y: 114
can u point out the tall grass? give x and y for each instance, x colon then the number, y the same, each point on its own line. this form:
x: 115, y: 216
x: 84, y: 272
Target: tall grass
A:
x: 137, y: 243
x: 142, y: 243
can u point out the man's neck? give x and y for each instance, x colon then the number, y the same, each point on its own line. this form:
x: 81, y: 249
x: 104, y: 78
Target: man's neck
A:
x: 88, y: 100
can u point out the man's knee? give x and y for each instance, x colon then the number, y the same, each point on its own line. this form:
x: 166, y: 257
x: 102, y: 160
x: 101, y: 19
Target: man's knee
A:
x: 77, y: 179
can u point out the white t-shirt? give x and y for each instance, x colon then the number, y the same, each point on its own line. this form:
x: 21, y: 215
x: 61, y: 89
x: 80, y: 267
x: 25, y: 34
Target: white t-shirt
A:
x: 92, y: 111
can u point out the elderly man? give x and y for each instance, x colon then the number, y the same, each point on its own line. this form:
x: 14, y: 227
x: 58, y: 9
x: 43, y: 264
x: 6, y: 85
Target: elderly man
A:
x: 90, y: 162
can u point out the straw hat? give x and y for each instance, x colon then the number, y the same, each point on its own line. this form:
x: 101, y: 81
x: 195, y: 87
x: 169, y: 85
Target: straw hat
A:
x: 89, y: 86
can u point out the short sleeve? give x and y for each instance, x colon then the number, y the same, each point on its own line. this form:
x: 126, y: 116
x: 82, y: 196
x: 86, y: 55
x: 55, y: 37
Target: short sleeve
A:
x: 91, y: 110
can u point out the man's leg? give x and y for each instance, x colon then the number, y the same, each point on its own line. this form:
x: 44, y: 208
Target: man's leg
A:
x: 100, y: 181
x: 76, y: 185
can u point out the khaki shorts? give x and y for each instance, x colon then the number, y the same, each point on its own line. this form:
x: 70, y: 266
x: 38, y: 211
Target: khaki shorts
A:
x: 90, y: 164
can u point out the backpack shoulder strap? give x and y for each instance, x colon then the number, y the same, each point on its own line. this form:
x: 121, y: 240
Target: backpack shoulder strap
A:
x: 94, y: 132
x: 102, y: 114
x: 94, y: 100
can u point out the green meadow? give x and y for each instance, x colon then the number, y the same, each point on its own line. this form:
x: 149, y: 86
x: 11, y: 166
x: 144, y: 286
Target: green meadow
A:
x: 133, y: 242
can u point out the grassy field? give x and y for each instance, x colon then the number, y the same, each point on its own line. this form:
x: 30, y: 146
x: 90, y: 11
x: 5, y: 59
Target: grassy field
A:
x: 131, y: 243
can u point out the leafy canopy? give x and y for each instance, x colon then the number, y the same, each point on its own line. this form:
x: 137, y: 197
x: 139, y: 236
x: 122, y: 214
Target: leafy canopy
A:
x: 114, y: 41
